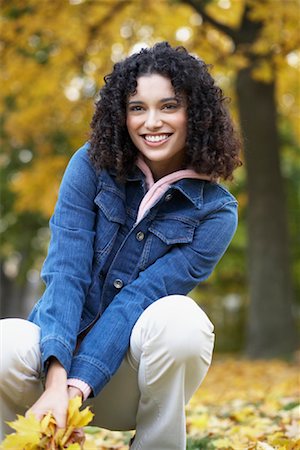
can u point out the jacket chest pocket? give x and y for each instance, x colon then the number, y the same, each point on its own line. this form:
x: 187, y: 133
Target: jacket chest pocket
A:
x: 110, y: 216
x: 164, y: 234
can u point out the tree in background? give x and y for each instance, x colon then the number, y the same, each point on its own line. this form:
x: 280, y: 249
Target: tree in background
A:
x: 54, y: 55
x: 263, y: 37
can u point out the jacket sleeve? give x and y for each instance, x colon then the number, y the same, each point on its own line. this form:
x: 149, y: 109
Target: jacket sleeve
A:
x: 177, y: 272
x: 67, y: 268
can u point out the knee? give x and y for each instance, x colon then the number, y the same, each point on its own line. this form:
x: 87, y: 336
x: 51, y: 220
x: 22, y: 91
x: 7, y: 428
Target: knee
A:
x: 188, y: 332
x: 178, y: 326
x: 19, y: 340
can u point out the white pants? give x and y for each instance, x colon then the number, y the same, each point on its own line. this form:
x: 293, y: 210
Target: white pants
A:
x: 170, y: 352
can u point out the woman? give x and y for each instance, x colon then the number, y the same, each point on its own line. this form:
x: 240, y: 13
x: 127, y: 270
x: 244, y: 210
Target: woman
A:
x: 140, y: 220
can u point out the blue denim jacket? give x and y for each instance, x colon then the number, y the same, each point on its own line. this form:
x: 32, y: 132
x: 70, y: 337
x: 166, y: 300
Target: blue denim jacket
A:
x: 103, y: 269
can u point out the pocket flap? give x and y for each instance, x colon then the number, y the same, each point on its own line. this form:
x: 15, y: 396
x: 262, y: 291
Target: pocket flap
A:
x: 112, y: 206
x: 173, y: 231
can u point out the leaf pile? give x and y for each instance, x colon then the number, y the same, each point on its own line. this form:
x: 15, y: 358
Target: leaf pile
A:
x: 32, y: 434
x: 241, y: 405
x: 247, y: 405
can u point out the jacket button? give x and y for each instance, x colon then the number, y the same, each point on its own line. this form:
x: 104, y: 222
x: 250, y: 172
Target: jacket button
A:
x: 168, y: 197
x: 118, y: 284
x: 140, y: 236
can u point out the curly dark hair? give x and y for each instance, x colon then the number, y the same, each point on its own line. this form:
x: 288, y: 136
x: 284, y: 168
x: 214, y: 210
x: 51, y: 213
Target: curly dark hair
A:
x: 212, y: 144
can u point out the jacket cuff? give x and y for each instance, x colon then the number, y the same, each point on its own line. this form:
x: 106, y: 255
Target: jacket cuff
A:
x: 51, y: 346
x: 81, y: 385
x: 95, y: 374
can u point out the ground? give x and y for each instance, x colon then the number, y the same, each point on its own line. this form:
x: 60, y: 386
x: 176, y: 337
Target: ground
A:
x: 241, y: 405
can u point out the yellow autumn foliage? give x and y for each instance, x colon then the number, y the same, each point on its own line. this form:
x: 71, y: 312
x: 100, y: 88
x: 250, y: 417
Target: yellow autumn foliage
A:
x: 34, y: 179
x: 51, y: 72
x: 32, y: 434
x: 241, y: 405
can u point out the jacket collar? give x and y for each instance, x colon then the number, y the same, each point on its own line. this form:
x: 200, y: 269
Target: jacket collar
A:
x: 192, y: 189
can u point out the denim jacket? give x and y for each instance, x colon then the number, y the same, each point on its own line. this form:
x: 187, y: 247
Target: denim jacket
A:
x: 103, y: 269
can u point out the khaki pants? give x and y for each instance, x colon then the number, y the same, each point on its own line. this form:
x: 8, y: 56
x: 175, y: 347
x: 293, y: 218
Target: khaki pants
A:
x: 170, y: 352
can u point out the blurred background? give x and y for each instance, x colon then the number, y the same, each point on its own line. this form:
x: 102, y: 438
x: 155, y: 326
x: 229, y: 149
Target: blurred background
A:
x: 54, y: 57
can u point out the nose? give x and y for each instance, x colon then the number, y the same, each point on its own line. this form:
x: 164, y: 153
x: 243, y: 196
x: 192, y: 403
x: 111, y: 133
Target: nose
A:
x: 153, y: 120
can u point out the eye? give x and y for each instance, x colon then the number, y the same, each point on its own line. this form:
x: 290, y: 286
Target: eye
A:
x: 170, y: 106
x: 135, y: 108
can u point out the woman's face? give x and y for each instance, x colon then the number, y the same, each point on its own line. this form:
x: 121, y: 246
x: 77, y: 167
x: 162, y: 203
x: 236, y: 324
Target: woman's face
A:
x: 157, y: 124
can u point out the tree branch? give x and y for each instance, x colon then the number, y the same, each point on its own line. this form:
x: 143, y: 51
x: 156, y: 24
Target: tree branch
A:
x: 115, y: 9
x: 93, y: 30
x: 199, y: 7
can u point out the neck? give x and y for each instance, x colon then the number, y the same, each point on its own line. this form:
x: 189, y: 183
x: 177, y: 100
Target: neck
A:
x: 161, y: 169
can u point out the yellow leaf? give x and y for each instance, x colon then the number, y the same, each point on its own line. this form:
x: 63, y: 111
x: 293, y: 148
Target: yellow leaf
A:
x: 74, y: 405
x: 16, y: 441
x: 85, y: 417
x: 222, y: 443
x: 90, y: 444
x: 77, y: 418
x: 59, y: 435
x: 27, y: 436
x: 24, y: 424
x: 199, y: 422
x: 48, y: 424
x: 243, y: 414
x: 32, y: 434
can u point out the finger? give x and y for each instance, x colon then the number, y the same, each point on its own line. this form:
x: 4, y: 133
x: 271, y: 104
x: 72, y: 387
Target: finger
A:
x: 74, y: 392
x: 61, y: 419
x: 77, y: 436
x: 38, y: 414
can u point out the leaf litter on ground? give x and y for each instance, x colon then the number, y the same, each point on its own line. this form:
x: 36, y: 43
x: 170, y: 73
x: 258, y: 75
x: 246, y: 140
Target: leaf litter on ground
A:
x: 241, y: 405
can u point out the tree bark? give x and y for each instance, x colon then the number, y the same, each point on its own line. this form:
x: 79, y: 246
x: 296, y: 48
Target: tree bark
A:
x: 271, y: 327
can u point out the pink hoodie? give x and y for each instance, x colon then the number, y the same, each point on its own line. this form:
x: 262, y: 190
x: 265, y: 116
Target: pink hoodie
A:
x: 158, y: 188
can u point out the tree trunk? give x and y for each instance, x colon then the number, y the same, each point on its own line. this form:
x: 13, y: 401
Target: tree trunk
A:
x: 271, y: 327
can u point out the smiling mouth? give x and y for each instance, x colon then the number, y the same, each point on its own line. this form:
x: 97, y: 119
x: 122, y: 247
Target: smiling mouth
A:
x: 156, y: 138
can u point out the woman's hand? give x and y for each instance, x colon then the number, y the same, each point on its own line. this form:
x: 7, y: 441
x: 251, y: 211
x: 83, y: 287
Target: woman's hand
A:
x: 55, y: 398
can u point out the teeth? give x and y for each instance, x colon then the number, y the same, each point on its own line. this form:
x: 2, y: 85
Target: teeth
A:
x: 157, y: 138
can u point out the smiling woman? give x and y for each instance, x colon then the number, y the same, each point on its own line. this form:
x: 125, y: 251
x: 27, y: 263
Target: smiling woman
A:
x: 211, y: 143
x: 140, y: 221
x: 157, y: 124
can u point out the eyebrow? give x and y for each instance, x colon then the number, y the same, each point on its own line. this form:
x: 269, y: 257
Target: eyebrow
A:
x: 163, y: 100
